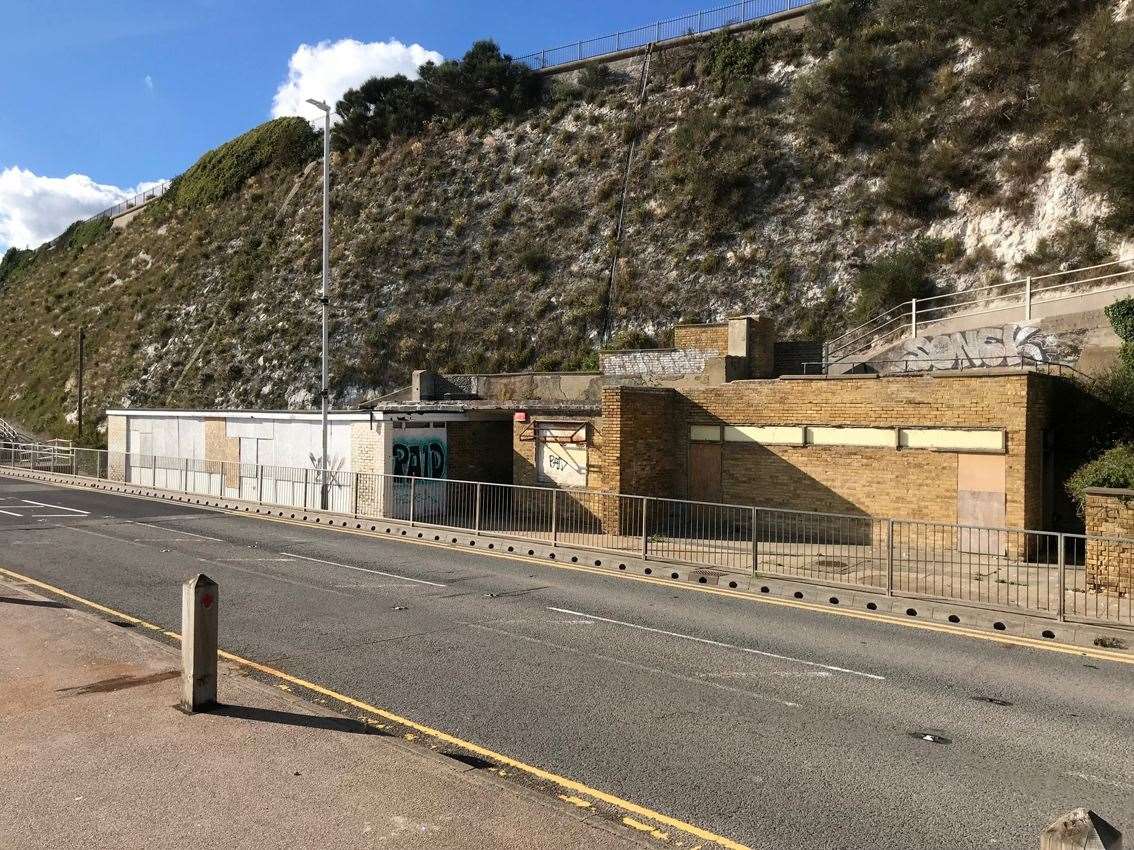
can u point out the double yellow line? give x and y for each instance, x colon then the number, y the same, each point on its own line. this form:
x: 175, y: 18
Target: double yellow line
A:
x: 576, y: 794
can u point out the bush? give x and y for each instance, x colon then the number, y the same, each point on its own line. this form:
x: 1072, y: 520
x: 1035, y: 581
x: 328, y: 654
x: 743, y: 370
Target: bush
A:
x: 594, y: 78
x: 908, y: 188
x: 14, y: 259
x: 1113, y: 468
x: 484, y: 84
x: 282, y: 143
x: 895, y: 279
x: 733, y: 60
x: 1121, y: 317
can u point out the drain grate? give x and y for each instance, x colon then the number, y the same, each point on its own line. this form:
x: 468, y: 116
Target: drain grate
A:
x: 472, y: 761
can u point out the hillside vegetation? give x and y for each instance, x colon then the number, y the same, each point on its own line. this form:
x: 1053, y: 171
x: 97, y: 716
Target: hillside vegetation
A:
x: 890, y: 147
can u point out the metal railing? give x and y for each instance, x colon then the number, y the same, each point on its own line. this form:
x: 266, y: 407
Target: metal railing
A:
x: 1019, y: 298
x: 1084, y: 578
x: 695, y: 23
x: 133, y: 201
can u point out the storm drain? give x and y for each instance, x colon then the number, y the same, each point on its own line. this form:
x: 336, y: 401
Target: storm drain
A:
x: 472, y: 761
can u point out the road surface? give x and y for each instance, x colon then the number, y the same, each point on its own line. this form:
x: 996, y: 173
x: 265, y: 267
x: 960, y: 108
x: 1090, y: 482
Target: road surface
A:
x: 773, y: 725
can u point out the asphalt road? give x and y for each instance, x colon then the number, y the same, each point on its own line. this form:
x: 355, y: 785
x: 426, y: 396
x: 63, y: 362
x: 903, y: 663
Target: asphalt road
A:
x: 776, y: 726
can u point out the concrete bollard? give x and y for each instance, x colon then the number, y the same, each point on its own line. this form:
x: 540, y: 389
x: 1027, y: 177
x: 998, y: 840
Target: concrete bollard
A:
x: 199, y: 602
x: 1081, y: 829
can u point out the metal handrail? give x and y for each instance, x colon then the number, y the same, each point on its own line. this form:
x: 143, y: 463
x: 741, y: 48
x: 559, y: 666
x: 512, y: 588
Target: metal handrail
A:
x: 904, y: 558
x: 694, y: 23
x: 133, y: 201
x: 933, y: 308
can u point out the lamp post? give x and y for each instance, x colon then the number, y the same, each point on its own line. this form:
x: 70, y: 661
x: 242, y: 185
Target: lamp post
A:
x: 323, y: 395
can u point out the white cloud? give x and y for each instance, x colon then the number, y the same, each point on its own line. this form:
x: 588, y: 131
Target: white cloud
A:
x: 35, y: 209
x: 325, y: 71
x: 149, y: 81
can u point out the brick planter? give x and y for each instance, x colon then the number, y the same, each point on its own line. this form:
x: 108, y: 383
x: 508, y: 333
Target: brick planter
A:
x: 1110, y: 563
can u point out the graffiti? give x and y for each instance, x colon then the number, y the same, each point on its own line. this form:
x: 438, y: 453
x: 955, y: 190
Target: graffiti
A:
x: 420, y: 457
x: 1010, y: 345
x: 334, y: 468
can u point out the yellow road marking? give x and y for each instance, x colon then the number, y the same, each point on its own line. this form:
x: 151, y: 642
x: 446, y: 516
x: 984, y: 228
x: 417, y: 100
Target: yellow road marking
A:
x: 645, y: 827
x: 563, y: 782
x: 875, y: 617
x: 574, y: 801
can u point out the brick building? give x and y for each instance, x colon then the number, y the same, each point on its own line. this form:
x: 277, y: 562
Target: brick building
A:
x: 709, y: 420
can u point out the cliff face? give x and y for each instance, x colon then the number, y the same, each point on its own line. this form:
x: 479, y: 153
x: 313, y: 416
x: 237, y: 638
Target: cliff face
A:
x: 768, y: 173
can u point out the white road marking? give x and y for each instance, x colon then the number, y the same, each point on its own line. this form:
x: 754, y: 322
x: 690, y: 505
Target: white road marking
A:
x: 9, y: 513
x: 97, y: 534
x: 644, y: 668
x: 56, y: 507
x: 253, y: 560
x: 364, y: 570
x: 721, y: 644
x: 176, y: 531
x: 57, y: 516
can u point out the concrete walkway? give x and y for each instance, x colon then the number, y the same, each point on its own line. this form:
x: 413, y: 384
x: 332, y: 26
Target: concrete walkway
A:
x: 95, y: 755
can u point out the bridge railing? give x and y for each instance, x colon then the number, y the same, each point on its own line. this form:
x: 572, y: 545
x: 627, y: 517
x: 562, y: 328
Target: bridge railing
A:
x: 1019, y: 297
x: 1063, y: 577
x: 134, y: 201
x: 695, y: 23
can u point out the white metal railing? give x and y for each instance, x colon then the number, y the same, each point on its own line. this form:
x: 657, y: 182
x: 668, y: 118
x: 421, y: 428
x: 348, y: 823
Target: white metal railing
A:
x: 1023, y: 295
x: 695, y: 23
x: 133, y: 201
x: 1085, y: 578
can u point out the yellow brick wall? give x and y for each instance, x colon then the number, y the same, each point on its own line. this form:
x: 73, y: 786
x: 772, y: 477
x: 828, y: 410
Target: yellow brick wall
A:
x: 704, y: 337
x: 1110, y: 563
x: 917, y: 484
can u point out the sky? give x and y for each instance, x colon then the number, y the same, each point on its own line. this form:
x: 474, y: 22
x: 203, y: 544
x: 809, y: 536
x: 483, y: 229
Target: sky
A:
x: 101, y: 99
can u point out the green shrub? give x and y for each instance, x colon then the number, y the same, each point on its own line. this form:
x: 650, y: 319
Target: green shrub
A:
x: 14, y: 259
x: 594, y: 79
x: 732, y: 60
x: 483, y: 87
x: 533, y: 258
x: 282, y: 143
x: 1112, y: 173
x: 1076, y: 245
x: 909, y: 188
x: 1113, y: 468
x: 896, y: 278
x: 1121, y: 317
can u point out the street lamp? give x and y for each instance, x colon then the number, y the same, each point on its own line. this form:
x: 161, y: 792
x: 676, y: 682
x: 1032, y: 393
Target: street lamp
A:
x: 326, y: 277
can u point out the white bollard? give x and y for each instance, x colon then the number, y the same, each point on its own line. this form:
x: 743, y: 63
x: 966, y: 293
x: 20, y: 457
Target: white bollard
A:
x: 199, y: 602
x: 1081, y: 829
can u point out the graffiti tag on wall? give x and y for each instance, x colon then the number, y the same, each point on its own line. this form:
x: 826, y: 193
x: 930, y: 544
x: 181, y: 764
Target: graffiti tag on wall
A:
x: 1010, y: 345
x: 420, y: 457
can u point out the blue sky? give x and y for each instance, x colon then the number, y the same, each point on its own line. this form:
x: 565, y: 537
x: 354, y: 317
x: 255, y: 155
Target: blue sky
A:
x: 124, y: 91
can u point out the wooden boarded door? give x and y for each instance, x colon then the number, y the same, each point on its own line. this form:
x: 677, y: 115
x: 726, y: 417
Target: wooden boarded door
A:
x: 981, y: 502
x: 705, y: 472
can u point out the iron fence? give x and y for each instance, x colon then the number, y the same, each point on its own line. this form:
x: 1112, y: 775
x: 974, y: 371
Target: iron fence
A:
x: 1083, y: 578
x: 695, y: 23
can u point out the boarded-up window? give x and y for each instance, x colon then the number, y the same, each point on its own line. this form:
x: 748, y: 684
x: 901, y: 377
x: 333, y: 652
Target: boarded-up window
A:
x: 561, y: 454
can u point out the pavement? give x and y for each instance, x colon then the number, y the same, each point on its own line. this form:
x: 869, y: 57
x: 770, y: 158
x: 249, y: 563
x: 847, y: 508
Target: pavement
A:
x: 96, y: 755
x: 767, y: 723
